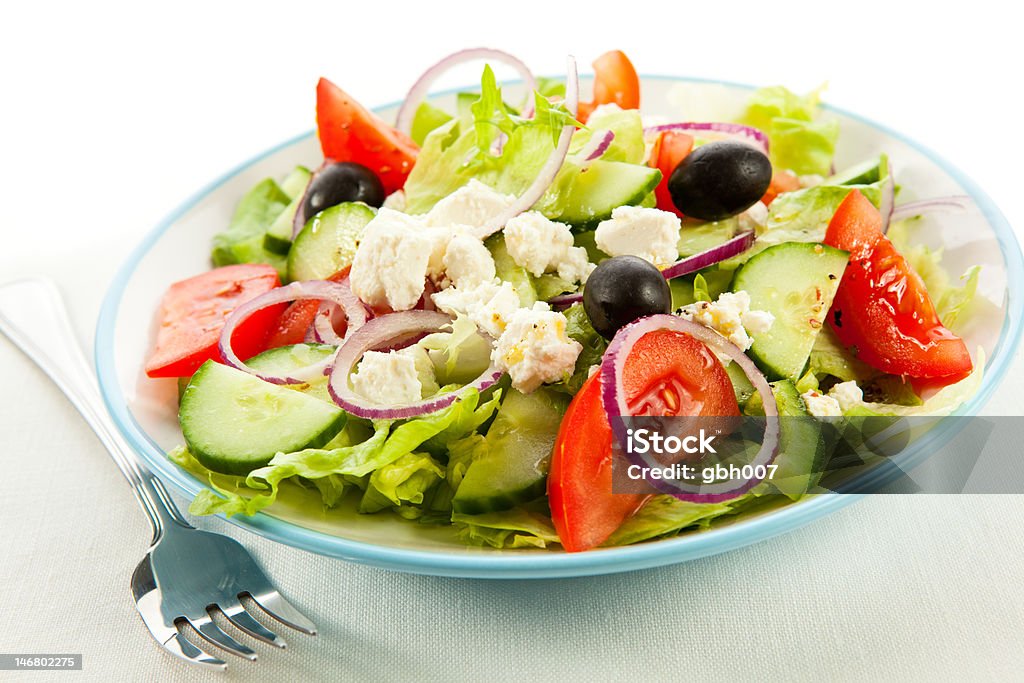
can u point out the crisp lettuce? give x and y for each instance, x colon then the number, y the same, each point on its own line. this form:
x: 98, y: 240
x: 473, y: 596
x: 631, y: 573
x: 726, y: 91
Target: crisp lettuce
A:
x: 943, y: 402
x: 467, y: 147
x: 242, y: 242
x: 665, y: 515
x: 406, y: 480
x: 800, y: 141
x: 427, y: 118
x: 515, y: 528
x: 388, y: 443
x: 830, y: 357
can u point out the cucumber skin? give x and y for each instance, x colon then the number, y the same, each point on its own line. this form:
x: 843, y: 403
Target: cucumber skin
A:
x: 312, y: 239
x: 525, y: 469
x: 582, y: 217
x: 801, y: 443
x: 226, y: 463
x: 773, y: 357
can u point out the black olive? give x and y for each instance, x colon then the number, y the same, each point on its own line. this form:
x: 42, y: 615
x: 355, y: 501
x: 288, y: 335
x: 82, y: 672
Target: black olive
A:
x: 720, y: 179
x: 622, y: 289
x: 342, y: 182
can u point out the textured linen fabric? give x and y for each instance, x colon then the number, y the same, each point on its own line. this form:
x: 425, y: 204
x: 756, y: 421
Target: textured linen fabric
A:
x: 891, y: 588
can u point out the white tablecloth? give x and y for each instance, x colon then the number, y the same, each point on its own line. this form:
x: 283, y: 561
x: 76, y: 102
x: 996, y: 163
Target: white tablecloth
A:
x: 118, y: 115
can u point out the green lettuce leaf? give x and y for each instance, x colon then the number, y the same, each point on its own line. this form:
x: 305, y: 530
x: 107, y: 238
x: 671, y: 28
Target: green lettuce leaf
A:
x: 628, y: 143
x: 406, y: 480
x: 664, y: 515
x: 943, y: 402
x: 388, y: 443
x: 800, y: 141
x: 427, y: 118
x: 242, y: 242
x: 515, y: 528
x: 830, y: 357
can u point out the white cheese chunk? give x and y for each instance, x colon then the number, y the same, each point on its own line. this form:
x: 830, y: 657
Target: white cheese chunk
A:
x: 534, y: 348
x: 650, y: 234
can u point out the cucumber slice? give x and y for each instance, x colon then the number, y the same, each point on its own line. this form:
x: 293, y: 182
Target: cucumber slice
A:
x: 278, y: 238
x: 795, y: 282
x: 328, y: 242
x: 801, y: 443
x: 519, y: 444
x: 284, y: 360
x: 604, y: 186
x: 234, y: 422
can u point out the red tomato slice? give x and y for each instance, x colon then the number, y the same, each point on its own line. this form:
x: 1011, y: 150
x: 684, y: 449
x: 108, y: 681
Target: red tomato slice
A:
x: 294, y: 322
x: 666, y: 373
x: 192, y: 315
x: 882, y: 310
x: 669, y: 150
x: 350, y: 132
x: 615, y: 81
x: 781, y: 182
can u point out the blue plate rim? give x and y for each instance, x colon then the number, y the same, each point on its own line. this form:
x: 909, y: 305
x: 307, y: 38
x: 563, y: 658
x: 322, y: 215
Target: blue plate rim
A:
x: 512, y: 564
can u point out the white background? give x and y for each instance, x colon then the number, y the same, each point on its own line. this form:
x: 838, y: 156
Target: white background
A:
x: 113, y: 114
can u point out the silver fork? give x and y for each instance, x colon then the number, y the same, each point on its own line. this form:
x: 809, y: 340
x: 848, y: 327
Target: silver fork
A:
x: 188, y: 575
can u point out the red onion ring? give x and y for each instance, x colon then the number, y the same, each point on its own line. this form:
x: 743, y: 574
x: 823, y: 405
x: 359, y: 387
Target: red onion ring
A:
x: 732, y: 130
x: 323, y: 325
x: 547, y: 173
x: 421, y: 87
x: 597, y: 145
x: 336, y: 292
x: 709, y: 257
x: 614, y: 401
x: 299, y: 221
x: 690, y: 264
x: 958, y: 202
x: 377, y: 333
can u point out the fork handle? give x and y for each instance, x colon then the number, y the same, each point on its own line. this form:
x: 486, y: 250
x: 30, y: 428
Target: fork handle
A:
x: 34, y: 317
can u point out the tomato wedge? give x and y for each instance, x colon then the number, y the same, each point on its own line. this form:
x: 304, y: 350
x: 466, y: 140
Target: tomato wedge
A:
x: 882, y: 311
x: 192, y: 315
x: 615, y: 82
x: 294, y: 322
x: 667, y: 373
x: 668, y: 151
x: 350, y: 132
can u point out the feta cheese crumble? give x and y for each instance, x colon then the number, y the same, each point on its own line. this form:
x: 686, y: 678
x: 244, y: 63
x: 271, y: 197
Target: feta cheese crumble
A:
x: 534, y: 348
x: 847, y: 394
x: 731, y: 317
x: 489, y: 305
x: 395, y: 377
x: 467, y: 262
x: 651, y: 234
x: 821, y: 405
x: 390, y: 265
x: 471, y: 206
x: 541, y: 245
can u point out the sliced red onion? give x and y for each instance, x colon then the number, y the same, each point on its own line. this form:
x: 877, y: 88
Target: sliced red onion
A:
x: 959, y: 202
x: 563, y: 301
x: 421, y: 87
x: 690, y: 264
x: 335, y: 292
x: 323, y: 325
x: 597, y: 145
x: 378, y: 333
x: 726, y: 250
x: 547, y: 173
x: 299, y: 221
x: 731, y: 130
x: 614, y: 400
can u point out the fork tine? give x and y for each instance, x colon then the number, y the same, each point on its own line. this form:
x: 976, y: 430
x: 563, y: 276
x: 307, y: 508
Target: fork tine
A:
x: 213, y: 634
x: 282, y: 610
x: 243, y: 621
x: 179, y: 646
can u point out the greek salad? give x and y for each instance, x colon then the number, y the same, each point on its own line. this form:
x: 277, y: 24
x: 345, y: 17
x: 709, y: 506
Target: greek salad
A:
x: 439, y: 320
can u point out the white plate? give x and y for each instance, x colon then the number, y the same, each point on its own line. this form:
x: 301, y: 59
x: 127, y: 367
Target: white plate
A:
x: 145, y: 409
